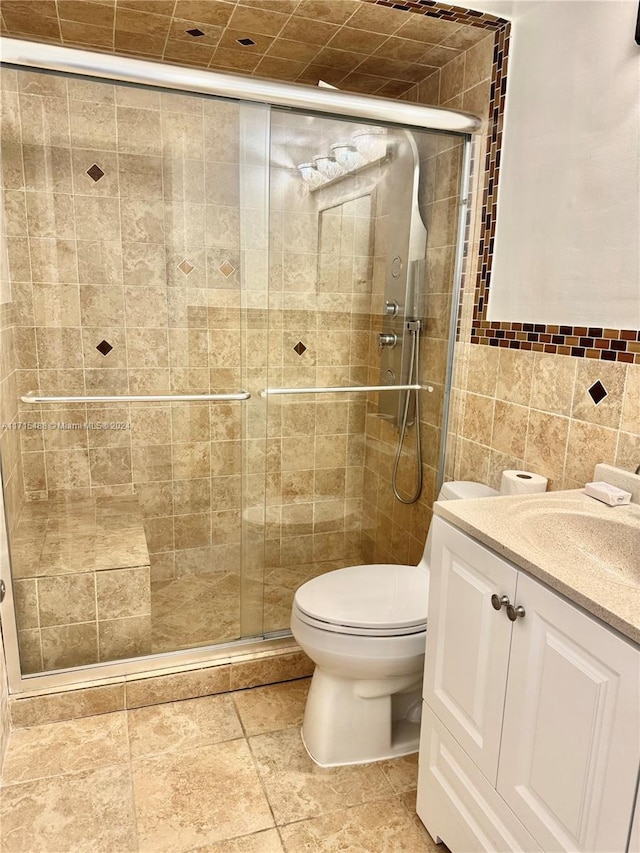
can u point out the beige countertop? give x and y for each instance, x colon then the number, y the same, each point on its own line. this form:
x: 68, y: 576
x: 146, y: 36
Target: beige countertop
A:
x: 577, y: 545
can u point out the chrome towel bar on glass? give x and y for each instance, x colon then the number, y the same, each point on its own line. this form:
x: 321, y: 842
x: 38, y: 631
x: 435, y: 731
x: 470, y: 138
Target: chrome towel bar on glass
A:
x: 139, y: 398
x: 272, y: 392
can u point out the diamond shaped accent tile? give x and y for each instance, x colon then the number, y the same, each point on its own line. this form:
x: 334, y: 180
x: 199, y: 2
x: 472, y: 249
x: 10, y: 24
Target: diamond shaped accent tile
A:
x: 104, y: 347
x: 195, y: 32
x: 598, y: 392
x: 245, y: 42
x: 300, y: 348
x: 186, y: 267
x: 95, y: 172
x: 226, y: 268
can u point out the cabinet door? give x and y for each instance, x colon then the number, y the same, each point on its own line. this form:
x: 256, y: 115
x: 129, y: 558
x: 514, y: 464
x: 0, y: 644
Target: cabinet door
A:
x: 468, y: 642
x: 571, y: 737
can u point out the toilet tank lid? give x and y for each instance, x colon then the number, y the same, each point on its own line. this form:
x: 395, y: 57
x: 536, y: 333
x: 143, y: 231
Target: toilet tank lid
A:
x: 460, y: 489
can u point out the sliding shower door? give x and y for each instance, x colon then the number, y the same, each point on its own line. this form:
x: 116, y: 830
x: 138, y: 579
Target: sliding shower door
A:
x: 135, y: 225
x: 364, y: 234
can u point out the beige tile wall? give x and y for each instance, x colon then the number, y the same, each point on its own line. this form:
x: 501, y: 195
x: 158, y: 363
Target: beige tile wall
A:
x: 533, y: 411
x: 395, y: 532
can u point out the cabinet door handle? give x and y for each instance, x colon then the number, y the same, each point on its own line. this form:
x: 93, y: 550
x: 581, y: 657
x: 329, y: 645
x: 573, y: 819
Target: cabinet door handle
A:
x: 514, y: 612
x: 497, y: 601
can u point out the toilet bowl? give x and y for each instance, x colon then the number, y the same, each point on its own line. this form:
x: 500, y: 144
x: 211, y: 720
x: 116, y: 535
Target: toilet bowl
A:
x: 365, y: 629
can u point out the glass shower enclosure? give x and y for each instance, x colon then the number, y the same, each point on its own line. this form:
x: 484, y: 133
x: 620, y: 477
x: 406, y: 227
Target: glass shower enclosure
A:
x: 210, y: 291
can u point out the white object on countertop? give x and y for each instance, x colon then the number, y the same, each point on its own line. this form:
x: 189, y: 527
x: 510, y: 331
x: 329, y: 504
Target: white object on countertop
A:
x: 608, y: 494
x: 619, y: 477
x: 522, y: 483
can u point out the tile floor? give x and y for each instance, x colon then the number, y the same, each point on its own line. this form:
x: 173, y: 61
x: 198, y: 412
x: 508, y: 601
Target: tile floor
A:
x: 221, y: 774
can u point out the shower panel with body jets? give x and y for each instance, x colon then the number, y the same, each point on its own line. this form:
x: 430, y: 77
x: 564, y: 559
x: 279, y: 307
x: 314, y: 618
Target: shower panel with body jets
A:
x: 260, y: 368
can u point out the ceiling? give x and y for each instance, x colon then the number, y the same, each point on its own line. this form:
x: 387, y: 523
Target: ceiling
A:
x: 353, y: 44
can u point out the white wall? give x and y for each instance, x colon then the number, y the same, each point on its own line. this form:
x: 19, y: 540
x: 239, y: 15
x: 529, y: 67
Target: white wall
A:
x: 567, y: 242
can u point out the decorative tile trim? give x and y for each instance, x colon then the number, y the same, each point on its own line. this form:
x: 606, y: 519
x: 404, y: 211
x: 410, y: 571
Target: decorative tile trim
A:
x: 444, y: 11
x: 579, y: 341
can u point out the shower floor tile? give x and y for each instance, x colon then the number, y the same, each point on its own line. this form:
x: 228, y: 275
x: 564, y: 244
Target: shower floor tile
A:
x: 219, y: 774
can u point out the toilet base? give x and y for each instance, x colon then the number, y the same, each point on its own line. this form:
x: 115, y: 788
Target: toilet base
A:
x: 357, y: 722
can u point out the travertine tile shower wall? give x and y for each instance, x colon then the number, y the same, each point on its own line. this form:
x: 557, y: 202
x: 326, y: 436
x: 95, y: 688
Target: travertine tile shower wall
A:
x: 395, y: 532
x: 125, y: 281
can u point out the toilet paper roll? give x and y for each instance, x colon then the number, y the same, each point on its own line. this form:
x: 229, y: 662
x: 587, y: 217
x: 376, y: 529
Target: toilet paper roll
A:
x: 522, y: 483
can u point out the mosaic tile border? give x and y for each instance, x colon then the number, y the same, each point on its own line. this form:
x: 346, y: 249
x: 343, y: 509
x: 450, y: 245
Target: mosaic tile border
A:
x: 621, y: 345
x: 444, y: 11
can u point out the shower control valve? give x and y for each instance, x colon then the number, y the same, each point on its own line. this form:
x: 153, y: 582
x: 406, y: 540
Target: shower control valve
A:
x: 387, y: 339
x: 391, y: 308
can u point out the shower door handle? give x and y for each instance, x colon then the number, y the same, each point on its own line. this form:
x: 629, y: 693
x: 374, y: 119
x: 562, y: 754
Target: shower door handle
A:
x: 140, y: 398
x: 272, y: 392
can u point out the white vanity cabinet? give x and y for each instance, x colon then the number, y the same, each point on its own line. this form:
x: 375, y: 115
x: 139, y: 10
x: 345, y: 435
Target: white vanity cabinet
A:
x: 531, y: 728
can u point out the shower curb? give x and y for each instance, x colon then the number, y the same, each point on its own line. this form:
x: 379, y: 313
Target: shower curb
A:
x: 224, y: 676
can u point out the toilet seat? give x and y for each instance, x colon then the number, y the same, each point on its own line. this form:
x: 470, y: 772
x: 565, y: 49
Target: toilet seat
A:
x: 379, y: 600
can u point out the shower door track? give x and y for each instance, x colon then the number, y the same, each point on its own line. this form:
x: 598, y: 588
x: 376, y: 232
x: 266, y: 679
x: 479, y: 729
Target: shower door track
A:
x: 22, y: 54
x: 121, y: 69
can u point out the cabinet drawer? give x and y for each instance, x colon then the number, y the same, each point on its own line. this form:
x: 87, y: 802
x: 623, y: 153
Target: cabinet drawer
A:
x: 457, y: 804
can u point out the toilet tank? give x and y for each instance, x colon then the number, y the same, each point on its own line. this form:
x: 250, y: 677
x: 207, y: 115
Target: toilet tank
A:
x: 461, y: 489
x: 453, y: 491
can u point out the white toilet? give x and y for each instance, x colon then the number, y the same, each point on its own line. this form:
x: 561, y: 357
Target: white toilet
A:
x: 365, y: 628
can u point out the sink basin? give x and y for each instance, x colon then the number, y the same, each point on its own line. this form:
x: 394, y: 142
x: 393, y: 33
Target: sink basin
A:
x: 576, y: 534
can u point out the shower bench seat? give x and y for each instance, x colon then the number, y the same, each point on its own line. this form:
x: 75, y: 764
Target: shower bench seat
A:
x: 81, y: 582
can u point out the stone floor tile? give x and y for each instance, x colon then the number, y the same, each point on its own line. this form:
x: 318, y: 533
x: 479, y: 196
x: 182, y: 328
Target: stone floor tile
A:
x: 297, y: 788
x: 277, y: 706
x: 183, y: 725
x: 188, y: 799
x: 76, y: 813
x: 74, y: 745
x: 258, y: 842
x: 382, y: 826
x: 401, y: 773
